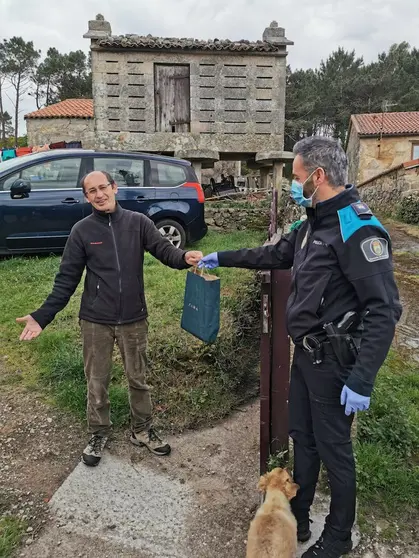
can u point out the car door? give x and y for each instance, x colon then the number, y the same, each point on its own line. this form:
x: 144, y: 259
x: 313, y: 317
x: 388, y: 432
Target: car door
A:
x: 130, y: 175
x: 42, y: 220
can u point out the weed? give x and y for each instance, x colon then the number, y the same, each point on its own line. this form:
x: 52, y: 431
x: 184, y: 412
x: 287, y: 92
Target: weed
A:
x: 387, y: 446
x: 12, y: 530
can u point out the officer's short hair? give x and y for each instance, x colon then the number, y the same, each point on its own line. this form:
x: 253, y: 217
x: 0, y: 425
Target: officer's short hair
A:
x: 106, y: 174
x: 326, y: 153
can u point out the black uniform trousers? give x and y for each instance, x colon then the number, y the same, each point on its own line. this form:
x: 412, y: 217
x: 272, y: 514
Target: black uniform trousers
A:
x: 322, y: 432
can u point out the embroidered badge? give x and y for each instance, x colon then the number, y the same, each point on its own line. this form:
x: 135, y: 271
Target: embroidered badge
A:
x: 375, y: 249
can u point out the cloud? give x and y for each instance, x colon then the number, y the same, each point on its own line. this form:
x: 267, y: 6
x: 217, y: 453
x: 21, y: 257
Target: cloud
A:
x: 316, y: 26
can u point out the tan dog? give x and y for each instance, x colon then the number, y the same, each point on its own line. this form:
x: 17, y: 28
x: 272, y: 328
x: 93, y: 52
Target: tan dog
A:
x: 273, y: 531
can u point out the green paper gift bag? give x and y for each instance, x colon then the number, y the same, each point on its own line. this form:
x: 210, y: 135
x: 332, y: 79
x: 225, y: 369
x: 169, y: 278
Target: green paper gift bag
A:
x: 201, y: 308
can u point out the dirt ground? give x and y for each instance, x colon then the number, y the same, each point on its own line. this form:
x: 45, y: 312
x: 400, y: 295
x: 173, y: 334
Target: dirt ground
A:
x: 40, y: 447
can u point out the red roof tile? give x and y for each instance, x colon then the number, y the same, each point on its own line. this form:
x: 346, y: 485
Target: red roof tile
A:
x: 387, y: 123
x: 70, y: 108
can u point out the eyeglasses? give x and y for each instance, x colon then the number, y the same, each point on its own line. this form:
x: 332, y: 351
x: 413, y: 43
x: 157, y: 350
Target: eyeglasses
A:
x: 92, y: 192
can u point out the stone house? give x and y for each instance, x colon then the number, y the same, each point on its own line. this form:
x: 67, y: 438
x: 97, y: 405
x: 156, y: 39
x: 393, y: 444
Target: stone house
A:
x: 70, y: 120
x: 205, y: 101
x: 379, y: 142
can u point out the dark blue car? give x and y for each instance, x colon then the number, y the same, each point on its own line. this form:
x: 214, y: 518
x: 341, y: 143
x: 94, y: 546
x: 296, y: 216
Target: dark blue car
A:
x: 41, y: 198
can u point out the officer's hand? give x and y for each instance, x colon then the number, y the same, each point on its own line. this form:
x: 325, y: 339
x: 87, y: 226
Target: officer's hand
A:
x: 353, y: 401
x: 31, y: 330
x: 193, y: 257
x: 210, y: 261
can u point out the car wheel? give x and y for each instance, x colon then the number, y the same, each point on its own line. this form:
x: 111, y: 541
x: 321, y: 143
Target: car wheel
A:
x: 173, y: 231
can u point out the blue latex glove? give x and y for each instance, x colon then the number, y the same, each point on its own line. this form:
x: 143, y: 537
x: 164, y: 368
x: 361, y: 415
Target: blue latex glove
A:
x: 353, y: 401
x: 210, y: 261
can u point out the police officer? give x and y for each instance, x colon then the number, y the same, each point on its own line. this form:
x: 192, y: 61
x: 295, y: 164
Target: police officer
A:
x: 342, y: 275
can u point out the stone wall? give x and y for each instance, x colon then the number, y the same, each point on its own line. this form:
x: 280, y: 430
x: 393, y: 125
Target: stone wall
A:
x: 244, y: 215
x: 237, y: 102
x: 377, y: 156
x: 383, y: 193
x: 239, y: 216
x: 51, y: 130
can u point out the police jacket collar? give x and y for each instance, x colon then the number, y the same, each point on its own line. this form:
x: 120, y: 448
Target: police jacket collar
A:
x: 331, y: 206
x: 104, y: 216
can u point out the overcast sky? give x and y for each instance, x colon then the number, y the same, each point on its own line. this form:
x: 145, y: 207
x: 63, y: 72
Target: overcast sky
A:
x: 317, y: 27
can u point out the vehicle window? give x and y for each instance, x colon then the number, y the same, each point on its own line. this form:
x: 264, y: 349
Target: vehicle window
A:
x: 51, y: 174
x: 125, y: 172
x: 166, y: 174
x: 5, y: 183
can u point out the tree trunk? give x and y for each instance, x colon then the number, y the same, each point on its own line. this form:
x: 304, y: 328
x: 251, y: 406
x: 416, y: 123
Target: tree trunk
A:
x: 17, y: 110
x: 3, y: 122
x: 48, y: 91
x: 37, y: 95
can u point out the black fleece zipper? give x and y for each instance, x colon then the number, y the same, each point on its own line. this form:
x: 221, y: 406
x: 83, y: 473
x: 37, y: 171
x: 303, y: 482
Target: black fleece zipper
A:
x: 118, y: 265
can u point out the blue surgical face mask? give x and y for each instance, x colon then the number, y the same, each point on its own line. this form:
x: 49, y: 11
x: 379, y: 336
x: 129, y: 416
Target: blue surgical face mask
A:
x: 297, y: 192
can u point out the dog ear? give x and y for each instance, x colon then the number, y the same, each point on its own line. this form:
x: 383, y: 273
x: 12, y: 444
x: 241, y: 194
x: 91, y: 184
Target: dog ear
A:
x: 292, y: 490
x: 263, y: 483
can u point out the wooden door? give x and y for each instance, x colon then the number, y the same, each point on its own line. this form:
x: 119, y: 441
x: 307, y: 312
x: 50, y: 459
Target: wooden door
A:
x: 172, y: 98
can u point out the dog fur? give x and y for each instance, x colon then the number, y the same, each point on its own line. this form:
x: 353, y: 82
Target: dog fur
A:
x: 273, y: 531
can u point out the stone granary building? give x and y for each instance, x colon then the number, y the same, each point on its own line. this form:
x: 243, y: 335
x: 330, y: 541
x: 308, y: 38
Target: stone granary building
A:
x: 204, y: 101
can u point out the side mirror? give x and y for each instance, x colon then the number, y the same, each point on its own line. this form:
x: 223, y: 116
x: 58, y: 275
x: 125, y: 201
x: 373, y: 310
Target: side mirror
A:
x: 20, y: 189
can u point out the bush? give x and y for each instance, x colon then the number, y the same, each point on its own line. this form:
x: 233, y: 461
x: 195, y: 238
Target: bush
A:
x: 408, y: 209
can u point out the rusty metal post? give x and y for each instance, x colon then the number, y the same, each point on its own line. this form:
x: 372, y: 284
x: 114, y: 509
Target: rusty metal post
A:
x: 280, y: 365
x: 265, y: 372
x: 274, y: 355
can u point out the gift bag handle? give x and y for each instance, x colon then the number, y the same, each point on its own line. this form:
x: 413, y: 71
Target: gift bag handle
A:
x: 203, y: 269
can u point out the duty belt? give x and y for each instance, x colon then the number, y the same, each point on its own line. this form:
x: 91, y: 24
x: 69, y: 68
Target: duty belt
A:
x: 316, y: 348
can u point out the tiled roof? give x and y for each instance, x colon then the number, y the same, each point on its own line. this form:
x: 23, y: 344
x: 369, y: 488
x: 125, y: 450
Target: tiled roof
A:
x: 158, y: 43
x: 70, y: 108
x: 387, y: 123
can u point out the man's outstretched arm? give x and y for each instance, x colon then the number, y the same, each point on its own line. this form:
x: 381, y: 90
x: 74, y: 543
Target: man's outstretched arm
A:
x: 68, y: 277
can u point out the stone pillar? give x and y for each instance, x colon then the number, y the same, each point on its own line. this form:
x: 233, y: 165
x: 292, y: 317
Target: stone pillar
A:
x: 277, y: 177
x: 264, y: 175
x: 99, y: 28
x: 277, y: 160
x: 197, y: 167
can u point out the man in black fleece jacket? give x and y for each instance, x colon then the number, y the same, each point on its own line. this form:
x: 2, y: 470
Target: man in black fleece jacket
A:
x: 110, y: 245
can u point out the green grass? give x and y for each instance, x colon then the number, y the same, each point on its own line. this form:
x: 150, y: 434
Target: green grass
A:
x: 387, y: 446
x: 192, y: 383
x: 11, y: 533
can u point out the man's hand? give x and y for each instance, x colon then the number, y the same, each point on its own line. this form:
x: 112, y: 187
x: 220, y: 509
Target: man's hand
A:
x: 32, y: 328
x: 353, y: 401
x: 193, y: 258
x: 210, y: 261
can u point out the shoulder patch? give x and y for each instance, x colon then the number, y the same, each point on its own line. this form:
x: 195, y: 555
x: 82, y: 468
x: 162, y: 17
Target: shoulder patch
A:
x: 375, y: 249
x: 350, y: 221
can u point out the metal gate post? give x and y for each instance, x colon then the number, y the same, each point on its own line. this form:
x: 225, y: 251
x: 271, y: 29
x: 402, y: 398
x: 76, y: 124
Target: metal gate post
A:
x: 265, y: 372
x: 280, y: 366
x: 274, y: 355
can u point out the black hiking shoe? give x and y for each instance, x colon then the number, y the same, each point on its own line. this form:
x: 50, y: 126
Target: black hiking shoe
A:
x: 303, y: 530
x: 152, y: 441
x: 93, y: 451
x: 328, y: 547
